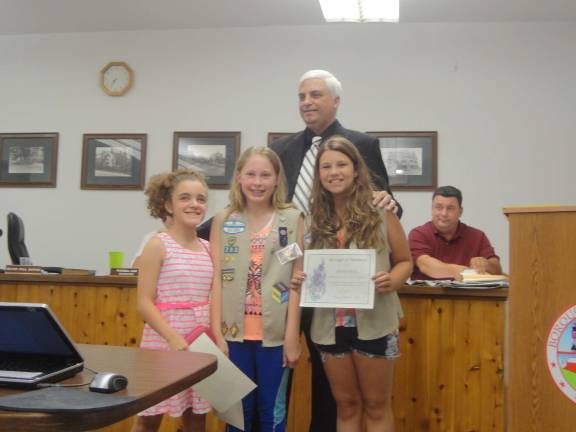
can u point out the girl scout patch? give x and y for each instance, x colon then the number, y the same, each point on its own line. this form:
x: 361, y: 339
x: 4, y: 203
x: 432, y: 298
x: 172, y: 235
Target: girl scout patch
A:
x: 227, y: 275
x: 280, y: 293
x: 230, y: 246
x: 234, y: 227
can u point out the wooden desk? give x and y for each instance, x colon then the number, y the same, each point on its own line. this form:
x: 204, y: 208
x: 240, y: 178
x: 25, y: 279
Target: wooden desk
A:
x: 451, y: 373
x: 153, y: 376
x: 450, y: 376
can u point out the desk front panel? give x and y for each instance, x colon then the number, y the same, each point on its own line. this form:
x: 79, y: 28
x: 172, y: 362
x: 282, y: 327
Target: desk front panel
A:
x: 449, y: 378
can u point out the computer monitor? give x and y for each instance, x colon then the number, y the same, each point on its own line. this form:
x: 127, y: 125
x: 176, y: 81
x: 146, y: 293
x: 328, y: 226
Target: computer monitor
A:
x: 16, y: 246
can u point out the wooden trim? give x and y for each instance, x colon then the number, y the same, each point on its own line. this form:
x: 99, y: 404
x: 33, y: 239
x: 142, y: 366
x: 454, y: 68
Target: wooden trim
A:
x: 131, y: 281
x: 88, y: 281
x: 538, y: 209
x: 454, y: 293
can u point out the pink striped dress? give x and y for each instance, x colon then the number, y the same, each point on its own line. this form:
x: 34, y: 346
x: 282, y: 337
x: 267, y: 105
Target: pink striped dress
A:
x: 182, y: 298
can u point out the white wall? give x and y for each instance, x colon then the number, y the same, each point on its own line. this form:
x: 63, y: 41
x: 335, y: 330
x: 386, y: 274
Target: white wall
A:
x: 501, y: 97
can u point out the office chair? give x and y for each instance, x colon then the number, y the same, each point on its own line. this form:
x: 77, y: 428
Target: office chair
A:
x: 16, y: 246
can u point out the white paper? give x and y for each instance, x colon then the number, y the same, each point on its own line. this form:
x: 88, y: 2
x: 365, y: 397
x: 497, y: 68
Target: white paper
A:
x: 339, y: 278
x: 234, y: 416
x: 225, y: 387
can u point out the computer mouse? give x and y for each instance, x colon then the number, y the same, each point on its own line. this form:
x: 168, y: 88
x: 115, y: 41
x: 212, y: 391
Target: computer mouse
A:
x: 108, y: 382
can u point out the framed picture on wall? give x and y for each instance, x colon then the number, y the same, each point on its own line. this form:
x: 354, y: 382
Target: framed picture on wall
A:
x: 114, y: 161
x: 273, y: 136
x: 211, y: 153
x: 28, y: 159
x: 410, y: 159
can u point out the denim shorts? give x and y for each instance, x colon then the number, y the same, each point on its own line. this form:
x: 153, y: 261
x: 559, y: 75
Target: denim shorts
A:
x: 347, y: 341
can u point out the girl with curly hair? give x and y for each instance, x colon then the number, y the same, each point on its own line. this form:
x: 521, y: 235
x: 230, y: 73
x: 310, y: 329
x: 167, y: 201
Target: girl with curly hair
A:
x: 174, y: 283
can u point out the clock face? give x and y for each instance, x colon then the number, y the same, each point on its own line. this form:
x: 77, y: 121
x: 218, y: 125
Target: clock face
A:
x: 116, y: 78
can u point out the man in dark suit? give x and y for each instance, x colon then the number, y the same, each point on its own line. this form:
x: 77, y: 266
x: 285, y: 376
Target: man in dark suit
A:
x: 319, y: 98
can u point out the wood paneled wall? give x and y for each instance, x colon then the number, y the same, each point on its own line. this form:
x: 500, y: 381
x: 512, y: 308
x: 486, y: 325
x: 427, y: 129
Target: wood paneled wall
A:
x: 450, y: 375
x: 449, y: 378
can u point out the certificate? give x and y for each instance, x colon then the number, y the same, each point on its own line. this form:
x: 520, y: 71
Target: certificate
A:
x: 339, y: 278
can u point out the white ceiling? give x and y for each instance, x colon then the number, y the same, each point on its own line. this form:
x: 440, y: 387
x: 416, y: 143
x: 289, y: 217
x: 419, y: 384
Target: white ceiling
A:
x: 62, y: 16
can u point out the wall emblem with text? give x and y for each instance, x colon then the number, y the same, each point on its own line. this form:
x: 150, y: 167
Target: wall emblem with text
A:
x: 561, y: 353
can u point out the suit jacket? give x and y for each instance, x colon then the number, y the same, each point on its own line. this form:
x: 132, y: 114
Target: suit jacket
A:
x: 291, y: 151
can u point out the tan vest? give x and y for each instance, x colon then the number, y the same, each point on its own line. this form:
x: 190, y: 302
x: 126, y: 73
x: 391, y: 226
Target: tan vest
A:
x: 234, y: 261
x: 371, y: 323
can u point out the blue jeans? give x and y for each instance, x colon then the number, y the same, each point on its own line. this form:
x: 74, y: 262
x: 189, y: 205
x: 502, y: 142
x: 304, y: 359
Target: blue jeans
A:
x: 263, y: 365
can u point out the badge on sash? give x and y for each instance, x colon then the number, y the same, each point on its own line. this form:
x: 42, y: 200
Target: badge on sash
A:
x: 227, y: 275
x: 234, y: 227
x: 230, y: 246
x: 280, y: 293
x: 289, y: 253
x: 283, y: 236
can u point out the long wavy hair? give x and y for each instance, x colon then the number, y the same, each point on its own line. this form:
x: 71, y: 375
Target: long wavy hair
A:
x: 237, y: 198
x: 361, y: 220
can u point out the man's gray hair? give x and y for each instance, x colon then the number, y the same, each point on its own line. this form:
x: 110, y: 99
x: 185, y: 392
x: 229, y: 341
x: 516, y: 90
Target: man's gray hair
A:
x: 330, y: 80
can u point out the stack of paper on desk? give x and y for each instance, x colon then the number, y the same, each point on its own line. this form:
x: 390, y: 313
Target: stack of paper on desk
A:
x: 479, y: 284
x: 492, y: 281
x: 468, y: 276
x: 226, y: 387
x: 475, y: 280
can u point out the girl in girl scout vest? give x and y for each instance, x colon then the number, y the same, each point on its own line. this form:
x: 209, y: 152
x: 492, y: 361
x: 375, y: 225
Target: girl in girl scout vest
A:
x: 357, y: 346
x: 255, y: 317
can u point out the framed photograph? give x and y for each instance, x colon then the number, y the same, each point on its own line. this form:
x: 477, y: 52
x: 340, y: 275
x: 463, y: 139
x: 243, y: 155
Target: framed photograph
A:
x: 28, y: 159
x: 211, y: 153
x: 114, y: 161
x: 273, y: 136
x: 410, y: 159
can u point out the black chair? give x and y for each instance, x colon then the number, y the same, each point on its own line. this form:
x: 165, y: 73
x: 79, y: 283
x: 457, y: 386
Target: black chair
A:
x: 16, y: 246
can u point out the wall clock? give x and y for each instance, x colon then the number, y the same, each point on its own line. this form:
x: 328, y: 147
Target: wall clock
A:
x: 116, y: 78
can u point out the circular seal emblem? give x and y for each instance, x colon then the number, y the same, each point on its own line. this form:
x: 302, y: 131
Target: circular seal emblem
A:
x: 561, y: 353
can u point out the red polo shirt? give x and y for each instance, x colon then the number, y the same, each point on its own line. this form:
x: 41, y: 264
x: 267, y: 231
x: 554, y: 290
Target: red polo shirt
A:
x: 466, y: 244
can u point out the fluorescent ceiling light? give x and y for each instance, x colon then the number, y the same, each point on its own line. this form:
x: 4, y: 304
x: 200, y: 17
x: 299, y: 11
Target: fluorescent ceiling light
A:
x: 361, y: 10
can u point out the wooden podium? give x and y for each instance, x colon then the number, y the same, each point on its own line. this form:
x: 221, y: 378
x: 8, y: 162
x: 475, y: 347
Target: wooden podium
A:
x: 542, y: 288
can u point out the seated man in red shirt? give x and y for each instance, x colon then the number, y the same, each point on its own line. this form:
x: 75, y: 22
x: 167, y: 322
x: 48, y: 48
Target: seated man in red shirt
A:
x: 443, y: 247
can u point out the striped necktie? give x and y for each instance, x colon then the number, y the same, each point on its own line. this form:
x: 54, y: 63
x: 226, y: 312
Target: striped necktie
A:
x: 303, y: 189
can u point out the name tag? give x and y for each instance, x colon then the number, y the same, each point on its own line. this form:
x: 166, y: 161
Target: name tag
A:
x: 289, y: 253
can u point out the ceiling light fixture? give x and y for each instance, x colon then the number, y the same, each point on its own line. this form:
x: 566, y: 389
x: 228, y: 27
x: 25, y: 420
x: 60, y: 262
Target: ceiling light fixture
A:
x: 360, y: 10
